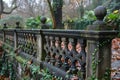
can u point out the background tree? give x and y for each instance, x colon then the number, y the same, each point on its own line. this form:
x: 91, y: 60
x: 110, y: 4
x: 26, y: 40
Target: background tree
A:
x: 31, y: 8
x: 2, y: 7
x: 56, y: 12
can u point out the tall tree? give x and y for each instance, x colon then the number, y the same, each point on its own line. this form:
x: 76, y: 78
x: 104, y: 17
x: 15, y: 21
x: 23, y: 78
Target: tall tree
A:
x: 57, y: 8
x: 56, y: 13
x: 2, y: 8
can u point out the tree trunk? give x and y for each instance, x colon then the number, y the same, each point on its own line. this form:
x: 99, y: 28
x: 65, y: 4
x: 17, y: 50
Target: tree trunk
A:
x: 56, y: 13
x: 57, y: 8
x: 58, y: 18
x: 52, y: 14
x: 1, y: 8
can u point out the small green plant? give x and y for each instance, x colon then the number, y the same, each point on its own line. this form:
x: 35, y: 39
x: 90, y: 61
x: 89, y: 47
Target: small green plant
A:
x: 113, y: 19
x: 89, y: 15
x: 33, y: 22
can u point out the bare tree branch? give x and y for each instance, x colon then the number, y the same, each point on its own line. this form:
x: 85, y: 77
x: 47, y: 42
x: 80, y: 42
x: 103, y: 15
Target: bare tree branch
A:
x: 5, y: 12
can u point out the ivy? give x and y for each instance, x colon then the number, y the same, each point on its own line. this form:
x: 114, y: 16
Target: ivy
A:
x: 96, y: 62
x: 7, y: 68
x: 107, y: 74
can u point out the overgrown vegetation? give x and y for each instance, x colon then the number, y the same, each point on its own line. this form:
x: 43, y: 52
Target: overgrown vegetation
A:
x: 81, y: 24
x: 113, y: 19
x: 33, y: 22
x: 29, y: 70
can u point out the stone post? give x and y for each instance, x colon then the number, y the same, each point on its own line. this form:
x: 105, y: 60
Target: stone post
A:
x: 4, y: 27
x: 39, y: 47
x: 15, y: 40
x: 3, y: 35
x: 15, y: 35
x: 98, y: 61
x: 18, y: 25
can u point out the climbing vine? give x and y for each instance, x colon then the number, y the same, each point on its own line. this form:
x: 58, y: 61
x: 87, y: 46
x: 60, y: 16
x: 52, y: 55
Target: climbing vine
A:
x: 96, y: 62
x: 6, y: 68
x: 8, y: 71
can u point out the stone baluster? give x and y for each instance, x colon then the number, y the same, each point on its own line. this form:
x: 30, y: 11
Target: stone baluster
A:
x: 47, y: 49
x: 31, y: 46
x: 57, y: 51
x: 20, y: 43
x: 63, y: 48
x: 34, y: 46
x: 59, y: 61
x: 71, y: 49
x: 52, y: 44
x: 81, y: 56
x: 73, y: 70
x: 27, y: 43
x: 66, y: 65
x: 25, y: 48
x: 53, y: 59
x: 57, y: 45
x: 52, y: 51
x: 24, y: 43
x: 46, y: 45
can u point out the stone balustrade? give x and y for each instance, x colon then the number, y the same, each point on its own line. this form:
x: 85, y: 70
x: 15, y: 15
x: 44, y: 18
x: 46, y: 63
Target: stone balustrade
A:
x: 66, y: 52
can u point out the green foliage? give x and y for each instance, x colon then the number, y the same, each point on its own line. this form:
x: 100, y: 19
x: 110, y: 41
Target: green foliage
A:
x: 48, y: 76
x: 107, y: 74
x: 113, y: 16
x: 89, y: 15
x: 34, y: 69
x: 33, y: 22
x: 49, y: 22
x: 81, y: 24
x: 112, y: 5
x: 6, y: 67
x: 20, y: 59
x: 113, y: 19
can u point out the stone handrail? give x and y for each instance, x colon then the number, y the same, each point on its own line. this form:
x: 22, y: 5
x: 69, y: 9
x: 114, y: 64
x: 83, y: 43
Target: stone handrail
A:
x: 67, y: 51
x: 48, y: 45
